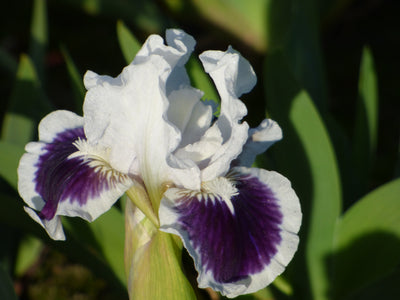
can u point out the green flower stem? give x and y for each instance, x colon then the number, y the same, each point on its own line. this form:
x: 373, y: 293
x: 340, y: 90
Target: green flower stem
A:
x: 140, y: 199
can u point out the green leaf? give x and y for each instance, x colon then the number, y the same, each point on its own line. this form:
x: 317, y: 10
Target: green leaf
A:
x: 367, y: 240
x: 326, y: 191
x: 244, y: 19
x: 10, y: 155
x: 306, y: 157
x: 6, y: 287
x: 201, y: 80
x: 76, y: 81
x: 26, y: 107
x: 303, y: 51
x: 104, y: 237
x: 366, y: 126
x: 109, y: 231
x: 28, y: 252
x: 127, y: 41
x: 39, y: 35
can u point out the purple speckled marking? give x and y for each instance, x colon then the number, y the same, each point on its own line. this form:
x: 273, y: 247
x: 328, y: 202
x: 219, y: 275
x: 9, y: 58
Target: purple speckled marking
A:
x: 234, y: 246
x: 59, y: 178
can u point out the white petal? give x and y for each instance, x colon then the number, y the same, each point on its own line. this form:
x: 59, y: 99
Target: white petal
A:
x: 260, y: 139
x: 199, y: 122
x: 181, y: 105
x: 129, y: 114
x: 53, y: 227
x: 233, y: 76
x: 58, y: 178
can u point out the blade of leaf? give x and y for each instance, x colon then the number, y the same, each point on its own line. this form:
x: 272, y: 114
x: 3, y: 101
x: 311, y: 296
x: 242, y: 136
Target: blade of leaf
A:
x: 29, y: 250
x: 26, y: 105
x: 303, y: 51
x: 109, y: 231
x: 244, y: 21
x: 306, y: 157
x: 39, y: 36
x: 326, y: 205
x: 76, y: 81
x: 7, y: 62
x: 367, y: 240
x: 201, y: 80
x: 10, y: 155
x: 366, y: 123
x: 6, y: 286
x: 127, y: 41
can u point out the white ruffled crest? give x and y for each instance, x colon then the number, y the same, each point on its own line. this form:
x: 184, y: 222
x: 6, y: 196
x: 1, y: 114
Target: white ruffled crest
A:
x: 129, y: 114
x: 233, y: 76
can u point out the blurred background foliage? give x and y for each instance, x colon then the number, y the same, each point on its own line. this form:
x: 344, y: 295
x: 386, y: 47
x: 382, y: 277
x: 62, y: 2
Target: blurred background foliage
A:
x: 327, y: 72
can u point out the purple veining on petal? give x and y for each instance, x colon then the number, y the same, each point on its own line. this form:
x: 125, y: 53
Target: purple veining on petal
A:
x: 233, y: 246
x: 59, y: 178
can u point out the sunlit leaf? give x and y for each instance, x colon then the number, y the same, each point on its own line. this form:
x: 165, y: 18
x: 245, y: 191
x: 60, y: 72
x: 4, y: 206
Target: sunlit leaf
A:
x: 9, y: 159
x: 28, y: 252
x: 127, y: 41
x: 26, y: 105
x: 366, y: 123
x: 244, y: 19
x: 306, y: 157
x: 201, y: 80
x: 326, y: 191
x: 367, y: 240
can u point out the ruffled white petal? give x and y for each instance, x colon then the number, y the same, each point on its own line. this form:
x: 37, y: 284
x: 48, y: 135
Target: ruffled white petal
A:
x: 260, y: 139
x: 233, y: 76
x: 129, y: 114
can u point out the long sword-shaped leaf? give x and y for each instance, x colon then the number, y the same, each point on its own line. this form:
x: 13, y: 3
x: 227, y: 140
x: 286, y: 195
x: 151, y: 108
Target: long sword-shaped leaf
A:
x: 127, y: 41
x: 303, y: 50
x: 306, y: 157
x: 367, y: 241
x: 366, y: 126
x: 9, y: 159
x: 25, y: 107
x: 76, y: 81
x: 39, y: 36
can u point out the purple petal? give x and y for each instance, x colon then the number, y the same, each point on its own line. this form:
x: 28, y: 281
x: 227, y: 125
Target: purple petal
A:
x: 239, y: 237
x: 56, y: 178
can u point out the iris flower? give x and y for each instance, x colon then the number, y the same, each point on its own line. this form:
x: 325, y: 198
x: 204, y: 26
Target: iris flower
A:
x: 148, y: 130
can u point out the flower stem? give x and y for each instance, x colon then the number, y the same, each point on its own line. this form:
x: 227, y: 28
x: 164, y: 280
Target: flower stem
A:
x: 140, y: 199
